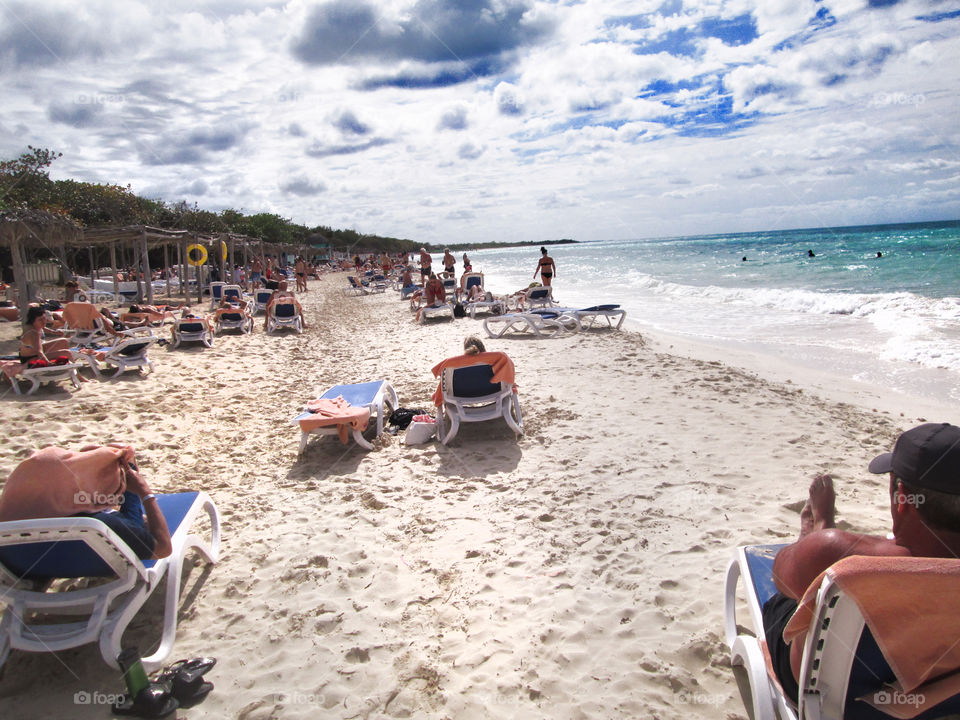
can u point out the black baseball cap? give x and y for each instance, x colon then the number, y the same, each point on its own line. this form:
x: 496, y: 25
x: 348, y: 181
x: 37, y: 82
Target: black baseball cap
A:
x: 926, y: 457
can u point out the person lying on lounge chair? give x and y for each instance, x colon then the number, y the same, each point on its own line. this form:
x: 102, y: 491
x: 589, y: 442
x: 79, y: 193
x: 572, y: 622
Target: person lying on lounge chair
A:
x: 924, y: 470
x: 54, y: 482
x: 433, y: 294
x: 283, y: 297
x: 32, y: 342
x: 228, y: 306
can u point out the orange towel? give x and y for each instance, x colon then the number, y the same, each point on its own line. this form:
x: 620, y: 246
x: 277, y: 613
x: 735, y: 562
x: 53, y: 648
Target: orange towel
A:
x: 910, y: 606
x: 54, y: 482
x: 81, y: 316
x: 503, y: 370
x: 339, y: 412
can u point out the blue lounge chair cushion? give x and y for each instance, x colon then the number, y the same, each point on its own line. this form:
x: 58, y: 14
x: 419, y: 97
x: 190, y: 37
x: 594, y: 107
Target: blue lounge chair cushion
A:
x: 598, y: 308
x: 286, y: 310
x: 474, y: 381
x: 74, y: 558
x: 358, y: 394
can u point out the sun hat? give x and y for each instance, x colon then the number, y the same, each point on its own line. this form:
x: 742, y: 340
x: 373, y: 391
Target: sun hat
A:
x: 926, y: 457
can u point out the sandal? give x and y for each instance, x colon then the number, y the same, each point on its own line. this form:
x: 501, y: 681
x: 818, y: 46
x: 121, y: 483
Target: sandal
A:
x: 154, y: 701
x: 185, y: 680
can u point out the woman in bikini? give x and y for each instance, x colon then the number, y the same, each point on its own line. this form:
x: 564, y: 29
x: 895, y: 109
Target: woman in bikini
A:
x: 32, y: 344
x: 546, y: 267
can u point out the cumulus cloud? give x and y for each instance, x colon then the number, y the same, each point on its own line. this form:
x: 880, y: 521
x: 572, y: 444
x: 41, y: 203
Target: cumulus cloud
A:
x: 319, y: 149
x: 453, y: 119
x: 302, y: 186
x: 347, y: 123
x: 191, y: 147
x: 470, y: 151
x: 77, y: 115
x: 507, y: 99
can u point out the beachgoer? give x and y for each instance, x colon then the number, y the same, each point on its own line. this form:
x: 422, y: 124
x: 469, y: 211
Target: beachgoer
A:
x: 300, y: 268
x: 449, y: 262
x: 924, y: 470
x: 32, y: 343
x: 97, y: 477
x: 425, y: 262
x: 282, y: 296
x: 70, y: 290
x: 546, y: 267
x: 467, y: 266
x: 434, y: 292
x: 879, y: 254
x: 810, y: 253
x: 256, y: 272
x: 473, y: 345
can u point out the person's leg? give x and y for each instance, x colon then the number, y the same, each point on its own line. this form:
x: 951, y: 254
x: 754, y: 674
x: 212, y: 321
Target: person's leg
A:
x: 777, y: 612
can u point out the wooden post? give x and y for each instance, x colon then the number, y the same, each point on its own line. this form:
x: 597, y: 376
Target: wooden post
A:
x: 246, y: 263
x: 113, y: 264
x: 147, y: 273
x: 199, y: 269
x: 19, y: 277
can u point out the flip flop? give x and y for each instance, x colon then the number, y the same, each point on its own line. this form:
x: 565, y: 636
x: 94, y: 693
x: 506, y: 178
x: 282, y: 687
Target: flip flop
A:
x: 185, y: 680
x: 154, y: 701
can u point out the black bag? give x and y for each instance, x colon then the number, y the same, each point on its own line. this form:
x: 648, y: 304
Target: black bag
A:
x: 459, y: 311
x: 402, y: 417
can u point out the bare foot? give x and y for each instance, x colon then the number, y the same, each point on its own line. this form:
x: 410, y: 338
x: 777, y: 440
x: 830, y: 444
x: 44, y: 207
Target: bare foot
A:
x: 820, y: 511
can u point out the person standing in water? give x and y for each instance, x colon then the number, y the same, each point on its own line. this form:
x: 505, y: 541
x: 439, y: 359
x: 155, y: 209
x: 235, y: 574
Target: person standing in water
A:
x: 546, y: 267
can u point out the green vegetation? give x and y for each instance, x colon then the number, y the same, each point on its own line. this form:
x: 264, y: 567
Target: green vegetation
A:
x: 25, y: 183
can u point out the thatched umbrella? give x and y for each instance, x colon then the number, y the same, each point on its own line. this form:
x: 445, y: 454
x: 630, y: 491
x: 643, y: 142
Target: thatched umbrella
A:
x: 22, y: 228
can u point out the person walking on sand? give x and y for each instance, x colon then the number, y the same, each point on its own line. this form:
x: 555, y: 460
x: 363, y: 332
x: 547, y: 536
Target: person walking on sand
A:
x: 924, y: 470
x: 425, y: 262
x: 546, y: 267
x: 449, y: 263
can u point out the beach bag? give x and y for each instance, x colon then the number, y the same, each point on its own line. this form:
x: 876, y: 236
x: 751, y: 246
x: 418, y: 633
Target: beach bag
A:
x: 402, y: 417
x: 421, y: 430
x: 458, y: 311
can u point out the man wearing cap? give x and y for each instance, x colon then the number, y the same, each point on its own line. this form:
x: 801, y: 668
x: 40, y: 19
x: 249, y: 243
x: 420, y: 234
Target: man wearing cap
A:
x: 924, y: 470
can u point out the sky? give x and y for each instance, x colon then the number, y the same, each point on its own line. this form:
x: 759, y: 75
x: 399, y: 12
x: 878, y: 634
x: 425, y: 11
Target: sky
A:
x: 500, y: 120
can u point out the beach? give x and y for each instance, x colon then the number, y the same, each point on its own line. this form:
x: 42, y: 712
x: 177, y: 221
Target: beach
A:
x: 574, y: 573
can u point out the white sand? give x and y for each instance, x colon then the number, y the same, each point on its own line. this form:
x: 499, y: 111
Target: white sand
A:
x: 577, y: 573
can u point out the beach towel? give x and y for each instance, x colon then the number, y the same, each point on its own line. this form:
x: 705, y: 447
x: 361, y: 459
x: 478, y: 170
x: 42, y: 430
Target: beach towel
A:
x: 336, y: 411
x: 892, y: 593
x: 81, y: 316
x: 503, y: 370
x: 54, y: 482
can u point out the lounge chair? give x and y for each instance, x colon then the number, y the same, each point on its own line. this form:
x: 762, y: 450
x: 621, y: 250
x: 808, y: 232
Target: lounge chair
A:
x: 129, y: 350
x: 34, y: 553
x: 358, y: 287
x: 42, y: 375
x: 192, y: 330
x: 238, y: 319
x: 538, y: 297
x: 232, y: 293
x: 540, y: 324
x: 216, y: 293
x: 260, y: 300
x: 370, y: 395
x: 842, y: 660
x: 476, y: 392
x: 284, y: 315
x: 587, y: 317
x: 83, y: 324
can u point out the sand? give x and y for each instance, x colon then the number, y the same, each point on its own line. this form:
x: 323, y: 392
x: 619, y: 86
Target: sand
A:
x: 575, y: 573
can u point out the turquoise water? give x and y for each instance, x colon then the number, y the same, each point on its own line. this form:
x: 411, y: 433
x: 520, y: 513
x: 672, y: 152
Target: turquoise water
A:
x: 893, y: 319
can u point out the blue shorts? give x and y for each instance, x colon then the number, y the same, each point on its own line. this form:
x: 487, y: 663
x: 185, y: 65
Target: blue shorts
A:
x: 255, y: 277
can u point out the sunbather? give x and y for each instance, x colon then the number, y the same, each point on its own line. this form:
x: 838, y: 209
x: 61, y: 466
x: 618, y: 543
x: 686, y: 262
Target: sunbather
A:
x: 433, y: 294
x: 229, y: 306
x: 54, y: 482
x: 32, y: 342
x: 924, y: 470
x: 282, y: 297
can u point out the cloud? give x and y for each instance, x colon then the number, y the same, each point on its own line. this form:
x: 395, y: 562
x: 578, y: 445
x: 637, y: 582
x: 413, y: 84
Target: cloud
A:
x: 32, y: 35
x: 191, y: 147
x: 318, y: 149
x: 77, y: 115
x: 302, y: 186
x: 467, y: 39
x: 348, y: 124
x: 507, y: 99
x: 470, y: 151
x: 453, y: 119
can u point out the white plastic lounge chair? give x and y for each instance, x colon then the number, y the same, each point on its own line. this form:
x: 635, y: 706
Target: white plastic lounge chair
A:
x: 432, y: 311
x: 129, y: 350
x: 233, y: 293
x: 372, y: 395
x: 537, y: 297
x: 841, y: 660
x: 542, y: 324
x: 42, y: 375
x: 587, y: 317
x: 239, y: 319
x: 216, y: 293
x: 260, y: 300
x: 356, y: 287
x: 191, y: 330
x: 470, y: 396
x: 283, y: 315
x: 89, y: 334
x: 33, y: 553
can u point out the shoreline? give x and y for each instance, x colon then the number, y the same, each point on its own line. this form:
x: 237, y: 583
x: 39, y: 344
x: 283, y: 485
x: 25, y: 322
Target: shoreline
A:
x: 577, y: 571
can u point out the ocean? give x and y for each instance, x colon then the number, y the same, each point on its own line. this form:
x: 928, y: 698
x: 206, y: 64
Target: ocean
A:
x: 892, y: 319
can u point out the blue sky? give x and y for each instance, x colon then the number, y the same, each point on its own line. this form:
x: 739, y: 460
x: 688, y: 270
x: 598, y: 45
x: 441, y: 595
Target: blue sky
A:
x: 500, y: 119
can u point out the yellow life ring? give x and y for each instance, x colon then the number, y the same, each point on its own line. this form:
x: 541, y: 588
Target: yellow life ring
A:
x: 196, y: 255
x: 223, y: 249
